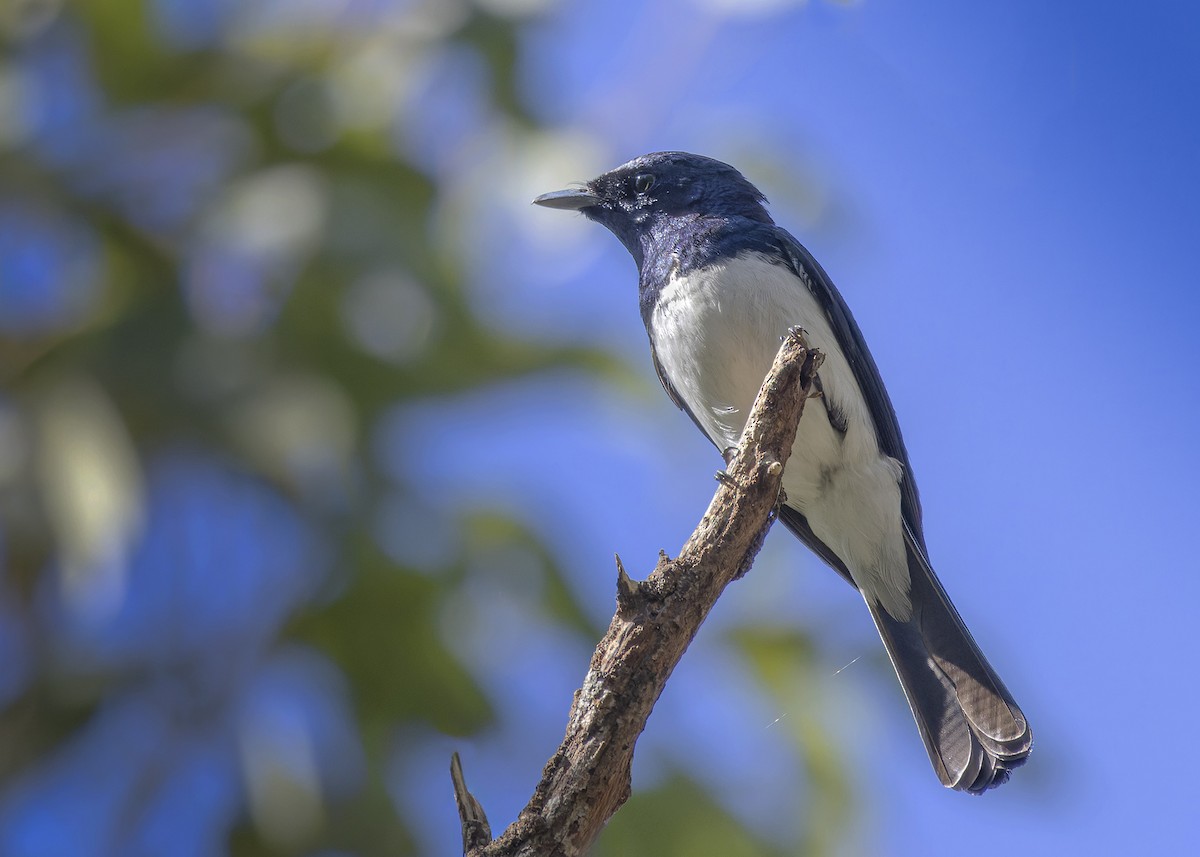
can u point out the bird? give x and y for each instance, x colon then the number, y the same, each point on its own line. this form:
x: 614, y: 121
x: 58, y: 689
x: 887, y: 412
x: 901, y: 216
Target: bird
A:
x: 719, y: 284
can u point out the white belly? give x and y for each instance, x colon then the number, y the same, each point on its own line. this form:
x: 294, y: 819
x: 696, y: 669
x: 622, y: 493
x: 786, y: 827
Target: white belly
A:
x: 715, y: 332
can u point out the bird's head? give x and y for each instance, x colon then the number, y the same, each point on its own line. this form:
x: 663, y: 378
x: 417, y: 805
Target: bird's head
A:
x: 646, y: 195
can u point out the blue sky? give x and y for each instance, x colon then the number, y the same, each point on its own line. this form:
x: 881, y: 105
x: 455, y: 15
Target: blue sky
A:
x: 1007, y: 197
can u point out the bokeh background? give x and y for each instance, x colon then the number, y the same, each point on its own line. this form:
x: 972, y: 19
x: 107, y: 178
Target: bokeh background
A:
x: 317, y: 440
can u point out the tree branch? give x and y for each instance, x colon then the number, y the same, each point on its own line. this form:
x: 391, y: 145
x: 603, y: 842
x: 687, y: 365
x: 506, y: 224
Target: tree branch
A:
x: 588, y: 778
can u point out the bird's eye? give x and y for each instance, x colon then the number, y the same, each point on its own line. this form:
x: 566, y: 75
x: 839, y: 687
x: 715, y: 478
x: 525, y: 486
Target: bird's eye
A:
x: 643, y: 182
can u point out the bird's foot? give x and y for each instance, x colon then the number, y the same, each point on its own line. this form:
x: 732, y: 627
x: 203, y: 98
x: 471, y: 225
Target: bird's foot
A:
x: 796, y: 332
x: 722, y: 476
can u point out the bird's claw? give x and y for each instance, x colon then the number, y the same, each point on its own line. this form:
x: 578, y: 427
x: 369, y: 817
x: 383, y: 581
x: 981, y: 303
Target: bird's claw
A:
x: 796, y: 332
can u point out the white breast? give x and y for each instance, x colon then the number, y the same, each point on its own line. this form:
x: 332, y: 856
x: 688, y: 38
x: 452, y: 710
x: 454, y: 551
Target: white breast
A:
x: 715, y: 332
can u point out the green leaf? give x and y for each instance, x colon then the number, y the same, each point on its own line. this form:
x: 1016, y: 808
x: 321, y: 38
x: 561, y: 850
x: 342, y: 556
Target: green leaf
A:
x: 679, y: 819
x: 382, y: 631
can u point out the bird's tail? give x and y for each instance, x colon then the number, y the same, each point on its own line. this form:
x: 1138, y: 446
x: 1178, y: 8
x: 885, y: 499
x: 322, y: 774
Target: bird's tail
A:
x: 973, y: 729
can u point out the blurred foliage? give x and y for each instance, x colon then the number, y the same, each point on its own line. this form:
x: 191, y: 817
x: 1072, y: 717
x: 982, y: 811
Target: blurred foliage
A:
x: 785, y: 662
x: 678, y: 819
x: 219, y: 272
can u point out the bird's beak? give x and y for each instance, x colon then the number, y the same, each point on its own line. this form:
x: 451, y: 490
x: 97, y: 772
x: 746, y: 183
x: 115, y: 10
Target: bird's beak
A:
x: 571, y: 199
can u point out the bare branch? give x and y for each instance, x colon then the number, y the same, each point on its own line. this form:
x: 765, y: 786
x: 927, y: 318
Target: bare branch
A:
x: 588, y: 778
x: 476, y: 831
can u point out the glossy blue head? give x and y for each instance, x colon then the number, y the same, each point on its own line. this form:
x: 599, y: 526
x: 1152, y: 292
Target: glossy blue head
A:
x: 655, y: 198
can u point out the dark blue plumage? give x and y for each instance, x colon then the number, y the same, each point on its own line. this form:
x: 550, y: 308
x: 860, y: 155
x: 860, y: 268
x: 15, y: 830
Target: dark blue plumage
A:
x: 696, y: 211
x: 718, y: 283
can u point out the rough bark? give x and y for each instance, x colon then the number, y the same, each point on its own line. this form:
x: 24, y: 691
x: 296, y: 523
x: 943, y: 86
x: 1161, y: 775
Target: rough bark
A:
x: 588, y: 778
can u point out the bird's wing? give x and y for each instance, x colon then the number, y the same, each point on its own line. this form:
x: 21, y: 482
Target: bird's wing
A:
x: 850, y: 338
x: 795, y: 521
x: 672, y: 393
